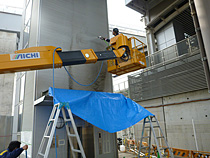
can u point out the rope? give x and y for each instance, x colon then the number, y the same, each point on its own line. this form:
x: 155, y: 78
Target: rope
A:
x: 81, y: 83
x: 54, y: 93
x: 72, y: 79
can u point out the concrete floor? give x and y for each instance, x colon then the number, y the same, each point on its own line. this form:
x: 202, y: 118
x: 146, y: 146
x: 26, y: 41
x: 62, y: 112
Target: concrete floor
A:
x: 126, y: 155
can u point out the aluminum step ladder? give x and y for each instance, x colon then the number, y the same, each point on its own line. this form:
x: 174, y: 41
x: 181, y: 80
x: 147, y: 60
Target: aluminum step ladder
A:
x: 149, y: 120
x: 46, y: 142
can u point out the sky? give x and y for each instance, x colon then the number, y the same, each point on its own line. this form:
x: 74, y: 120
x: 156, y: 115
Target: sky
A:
x: 12, y: 3
x: 118, y: 13
x: 121, y: 15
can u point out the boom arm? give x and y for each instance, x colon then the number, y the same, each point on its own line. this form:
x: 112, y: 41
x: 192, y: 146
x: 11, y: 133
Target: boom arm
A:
x: 36, y: 58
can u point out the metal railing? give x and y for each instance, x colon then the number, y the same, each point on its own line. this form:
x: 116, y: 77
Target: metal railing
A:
x: 176, y: 69
x: 120, y: 86
x: 186, y: 46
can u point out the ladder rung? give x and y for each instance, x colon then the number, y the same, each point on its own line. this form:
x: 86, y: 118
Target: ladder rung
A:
x: 147, y: 127
x: 41, y: 154
x: 160, y: 137
x: 164, y: 148
x: 144, y: 147
x: 75, y: 150
x: 46, y: 136
x: 68, y: 120
x: 51, y: 120
x: 72, y: 135
x: 156, y: 126
x: 147, y: 137
x: 149, y: 121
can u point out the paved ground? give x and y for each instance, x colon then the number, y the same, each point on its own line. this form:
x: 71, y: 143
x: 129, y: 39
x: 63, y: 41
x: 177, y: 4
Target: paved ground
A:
x: 126, y: 155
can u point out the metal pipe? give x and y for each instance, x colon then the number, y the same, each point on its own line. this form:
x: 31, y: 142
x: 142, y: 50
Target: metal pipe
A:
x: 200, y: 42
x: 196, y: 143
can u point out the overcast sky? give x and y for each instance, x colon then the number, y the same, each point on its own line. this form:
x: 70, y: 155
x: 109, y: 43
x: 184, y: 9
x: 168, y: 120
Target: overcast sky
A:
x: 119, y: 14
x: 12, y: 3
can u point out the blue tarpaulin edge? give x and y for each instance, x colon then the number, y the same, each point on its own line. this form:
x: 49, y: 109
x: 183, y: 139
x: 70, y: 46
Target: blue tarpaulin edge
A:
x: 111, y: 112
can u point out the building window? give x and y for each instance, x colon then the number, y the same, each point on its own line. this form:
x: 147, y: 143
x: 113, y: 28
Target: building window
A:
x: 27, y: 22
x: 22, y: 87
x: 20, y: 82
x: 20, y: 117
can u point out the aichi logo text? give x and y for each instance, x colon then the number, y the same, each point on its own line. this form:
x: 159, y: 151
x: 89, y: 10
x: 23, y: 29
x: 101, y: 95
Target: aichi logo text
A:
x: 25, y: 56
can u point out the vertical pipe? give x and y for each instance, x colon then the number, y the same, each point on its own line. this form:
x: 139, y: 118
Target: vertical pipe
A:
x: 196, y: 143
x: 200, y: 42
x: 150, y: 41
x: 202, y: 10
x: 164, y: 119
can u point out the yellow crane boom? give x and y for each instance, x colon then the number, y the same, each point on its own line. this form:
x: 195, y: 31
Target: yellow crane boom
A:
x: 124, y: 57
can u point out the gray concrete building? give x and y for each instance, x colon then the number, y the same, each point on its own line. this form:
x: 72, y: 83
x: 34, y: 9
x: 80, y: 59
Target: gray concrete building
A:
x: 71, y: 25
x: 9, y: 41
x: 174, y: 85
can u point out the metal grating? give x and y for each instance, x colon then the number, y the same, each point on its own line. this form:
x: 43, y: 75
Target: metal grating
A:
x: 186, y: 20
x: 183, y: 75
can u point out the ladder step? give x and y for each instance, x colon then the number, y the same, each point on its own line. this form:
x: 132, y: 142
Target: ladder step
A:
x: 156, y: 126
x: 46, y: 136
x: 41, y: 154
x: 51, y: 120
x: 164, y: 148
x: 149, y: 121
x: 144, y: 147
x: 160, y: 137
x: 75, y: 150
x: 68, y: 120
x: 147, y: 127
x: 72, y: 135
x: 147, y: 137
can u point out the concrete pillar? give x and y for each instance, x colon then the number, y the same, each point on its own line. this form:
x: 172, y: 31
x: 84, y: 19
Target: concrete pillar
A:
x: 150, y: 41
x: 71, y: 25
x: 203, y: 12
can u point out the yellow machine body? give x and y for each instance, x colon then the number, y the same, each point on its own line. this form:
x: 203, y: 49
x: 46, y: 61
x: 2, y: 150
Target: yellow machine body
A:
x: 33, y: 58
x: 122, y: 58
x: 136, y: 55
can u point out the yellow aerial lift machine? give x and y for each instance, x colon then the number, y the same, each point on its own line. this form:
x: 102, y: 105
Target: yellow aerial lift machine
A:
x: 123, y: 55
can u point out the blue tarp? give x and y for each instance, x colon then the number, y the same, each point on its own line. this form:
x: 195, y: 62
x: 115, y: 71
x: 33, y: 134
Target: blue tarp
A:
x: 109, y: 111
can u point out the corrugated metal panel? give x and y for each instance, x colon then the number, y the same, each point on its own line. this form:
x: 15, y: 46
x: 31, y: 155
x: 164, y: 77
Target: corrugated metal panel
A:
x: 181, y: 76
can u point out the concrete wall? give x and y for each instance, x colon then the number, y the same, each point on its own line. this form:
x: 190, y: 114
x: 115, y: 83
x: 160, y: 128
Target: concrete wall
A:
x: 176, y: 120
x: 7, y: 45
x: 5, y: 131
x: 72, y: 25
